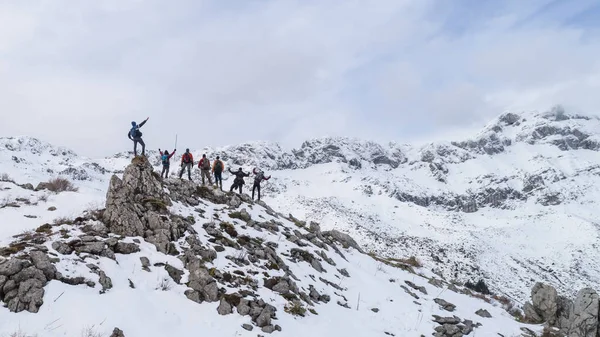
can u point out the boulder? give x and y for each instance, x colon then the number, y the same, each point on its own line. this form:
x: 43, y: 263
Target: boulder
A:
x: 584, y: 319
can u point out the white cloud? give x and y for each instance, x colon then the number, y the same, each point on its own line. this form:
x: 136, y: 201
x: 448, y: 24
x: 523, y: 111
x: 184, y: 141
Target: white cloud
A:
x: 219, y: 73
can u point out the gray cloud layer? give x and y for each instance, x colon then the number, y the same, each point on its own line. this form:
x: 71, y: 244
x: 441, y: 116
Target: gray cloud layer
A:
x: 215, y: 73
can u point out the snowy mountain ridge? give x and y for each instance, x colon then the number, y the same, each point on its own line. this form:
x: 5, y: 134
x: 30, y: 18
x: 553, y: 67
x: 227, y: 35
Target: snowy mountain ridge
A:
x: 513, y: 205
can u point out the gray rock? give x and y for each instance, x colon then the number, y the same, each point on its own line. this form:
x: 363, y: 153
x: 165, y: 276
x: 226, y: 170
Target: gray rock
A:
x: 234, y: 202
x: 416, y: 287
x: 247, y: 327
x: 117, y: 333
x: 62, y: 247
x: 282, y: 287
x: 444, y: 304
x: 268, y: 329
x: 104, y: 281
x: 265, y: 316
x: 243, y: 308
x: 12, y: 266
x: 175, y: 273
x: 343, y: 238
x: 194, y: 295
x: 584, y: 321
x: 126, y: 248
x: 224, y: 307
x: 344, y: 272
x: 544, y: 300
x: 42, y: 262
x: 483, y: 313
x: 91, y: 247
x: 30, y: 272
x: 145, y: 263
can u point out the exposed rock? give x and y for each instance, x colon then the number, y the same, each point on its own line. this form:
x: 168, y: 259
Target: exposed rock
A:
x: 584, y: 320
x: 117, y: 333
x: 416, y: 287
x: 564, y: 311
x: 105, y: 281
x: 483, y: 313
x: 224, y: 307
x: 126, y: 248
x: 444, y: 304
x: 42, y: 262
x: 343, y: 238
x: 12, y: 266
x: 145, y: 263
x: 175, y: 273
x: 544, y: 301
x: 247, y: 327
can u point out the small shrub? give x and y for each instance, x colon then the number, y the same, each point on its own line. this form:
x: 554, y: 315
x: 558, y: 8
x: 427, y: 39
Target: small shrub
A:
x: 295, y: 309
x: 58, y: 185
x: 229, y: 229
x: 164, y: 285
x: 43, y: 198
x: 45, y: 228
x: 91, y: 332
x: 411, y: 261
x: 312, y: 311
x: 479, y: 287
x: 20, y: 333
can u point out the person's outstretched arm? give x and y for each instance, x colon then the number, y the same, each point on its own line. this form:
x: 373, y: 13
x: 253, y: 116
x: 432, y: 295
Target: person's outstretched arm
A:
x: 267, y: 178
x: 144, y: 122
x: 254, y: 170
x: 172, y: 154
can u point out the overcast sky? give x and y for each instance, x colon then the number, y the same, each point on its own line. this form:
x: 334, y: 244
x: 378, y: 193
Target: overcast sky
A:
x: 76, y: 73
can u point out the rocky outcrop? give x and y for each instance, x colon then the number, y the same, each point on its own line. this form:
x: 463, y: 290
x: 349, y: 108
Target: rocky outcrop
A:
x: 137, y: 206
x: 584, y: 318
x: 573, y: 319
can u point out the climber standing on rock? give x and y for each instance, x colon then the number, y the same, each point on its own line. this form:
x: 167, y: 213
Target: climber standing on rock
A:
x: 165, y: 157
x: 204, y: 166
x: 238, y: 182
x: 259, y: 177
x: 136, y: 136
x: 217, y: 170
x: 187, y: 161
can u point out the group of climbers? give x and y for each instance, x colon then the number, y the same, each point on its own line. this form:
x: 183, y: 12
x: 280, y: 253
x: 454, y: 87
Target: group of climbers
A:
x: 187, y: 162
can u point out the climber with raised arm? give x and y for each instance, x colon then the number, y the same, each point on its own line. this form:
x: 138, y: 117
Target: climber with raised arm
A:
x: 217, y: 170
x: 259, y: 177
x: 136, y: 136
x: 165, y: 158
x: 187, y: 161
x: 204, y: 166
x: 238, y: 182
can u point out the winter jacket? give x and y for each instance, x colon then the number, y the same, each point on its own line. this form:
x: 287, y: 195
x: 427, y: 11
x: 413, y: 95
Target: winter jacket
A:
x: 239, y: 176
x: 135, y: 131
x: 168, y: 159
x: 191, y: 158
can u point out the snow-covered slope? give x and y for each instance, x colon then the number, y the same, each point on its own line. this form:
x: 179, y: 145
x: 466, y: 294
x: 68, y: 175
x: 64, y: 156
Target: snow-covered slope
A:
x: 515, y: 204
x: 170, y: 259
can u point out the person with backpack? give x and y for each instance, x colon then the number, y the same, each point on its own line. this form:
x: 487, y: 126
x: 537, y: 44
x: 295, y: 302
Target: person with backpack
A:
x: 136, y: 136
x: 187, y: 161
x: 165, y: 157
x: 204, y: 166
x: 238, y: 182
x: 259, y: 177
x: 217, y: 169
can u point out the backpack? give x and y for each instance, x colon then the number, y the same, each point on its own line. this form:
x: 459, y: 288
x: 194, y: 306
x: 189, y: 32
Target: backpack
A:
x: 187, y: 158
x: 165, y: 159
x: 259, y: 176
x: 205, y: 164
x: 219, y: 166
x: 135, y: 132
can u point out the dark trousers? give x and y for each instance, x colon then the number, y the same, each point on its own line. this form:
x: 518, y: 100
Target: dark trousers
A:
x: 165, y: 171
x: 235, y: 185
x: 219, y: 179
x: 135, y: 143
x: 254, y: 187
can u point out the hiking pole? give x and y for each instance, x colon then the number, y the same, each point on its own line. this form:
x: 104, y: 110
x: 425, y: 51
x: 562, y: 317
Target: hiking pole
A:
x: 175, y: 141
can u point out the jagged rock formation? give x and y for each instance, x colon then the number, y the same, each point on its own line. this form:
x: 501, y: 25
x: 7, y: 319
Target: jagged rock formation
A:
x: 577, y: 318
